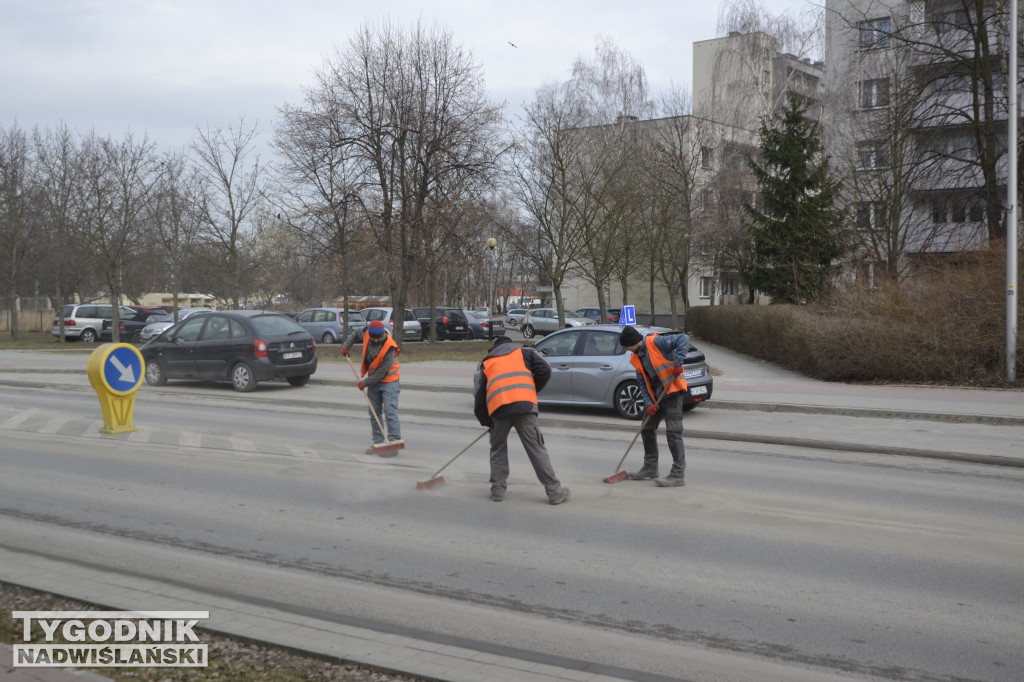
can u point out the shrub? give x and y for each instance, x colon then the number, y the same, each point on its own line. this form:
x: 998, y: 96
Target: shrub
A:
x: 947, y: 326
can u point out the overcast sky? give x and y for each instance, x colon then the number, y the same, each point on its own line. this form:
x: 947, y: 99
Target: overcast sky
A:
x: 164, y: 67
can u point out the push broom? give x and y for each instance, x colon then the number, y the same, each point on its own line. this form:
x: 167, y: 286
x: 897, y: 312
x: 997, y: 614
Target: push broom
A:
x: 620, y: 474
x: 381, y: 449
x: 437, y: 478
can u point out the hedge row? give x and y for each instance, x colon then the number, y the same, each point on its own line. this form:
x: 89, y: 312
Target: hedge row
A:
x: 949, y: 327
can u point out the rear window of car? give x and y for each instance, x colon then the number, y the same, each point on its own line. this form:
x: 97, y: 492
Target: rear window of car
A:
x: 371, y: 315
x: 272, y: 325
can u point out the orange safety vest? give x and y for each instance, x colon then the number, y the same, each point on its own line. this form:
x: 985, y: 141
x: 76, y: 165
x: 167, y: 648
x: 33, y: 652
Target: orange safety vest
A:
x: 662, y: 365
x: 508, y: 381
x: 372, y: 367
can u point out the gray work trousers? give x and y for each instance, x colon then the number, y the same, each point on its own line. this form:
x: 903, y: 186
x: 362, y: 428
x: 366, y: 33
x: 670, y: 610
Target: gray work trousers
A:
x: 533, y: 443
x: 671, y: 410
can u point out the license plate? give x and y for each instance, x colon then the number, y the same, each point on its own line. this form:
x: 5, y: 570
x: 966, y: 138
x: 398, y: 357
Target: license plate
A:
x: 691, y: 373
x: 699, y: 390
x: 460, y: 328
x: 292, y: 356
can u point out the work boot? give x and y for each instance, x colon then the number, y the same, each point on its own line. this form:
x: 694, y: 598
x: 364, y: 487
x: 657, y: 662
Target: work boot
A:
x: 497, y: 495
x: 643, y: 475
x: 670, y: 482
x: 560, y: 497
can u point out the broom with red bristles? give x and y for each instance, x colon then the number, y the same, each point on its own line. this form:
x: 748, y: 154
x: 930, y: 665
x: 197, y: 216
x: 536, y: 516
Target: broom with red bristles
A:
x: 620, y: 474
x: 437, y: 478
x: 382, y: 449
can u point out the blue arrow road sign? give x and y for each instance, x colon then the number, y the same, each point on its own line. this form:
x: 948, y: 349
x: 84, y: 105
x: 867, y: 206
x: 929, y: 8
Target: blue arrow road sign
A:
x: 627, y: 315
x: 122, y: 369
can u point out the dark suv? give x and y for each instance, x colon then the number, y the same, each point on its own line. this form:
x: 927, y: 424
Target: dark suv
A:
x: 450, y: 324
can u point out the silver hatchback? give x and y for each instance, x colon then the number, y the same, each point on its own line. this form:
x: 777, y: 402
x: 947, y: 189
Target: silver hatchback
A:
x: 540, y: 321
x: 589, y: 367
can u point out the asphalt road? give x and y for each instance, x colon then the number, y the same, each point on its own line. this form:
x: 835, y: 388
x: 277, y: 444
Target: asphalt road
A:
x: 773, y: 558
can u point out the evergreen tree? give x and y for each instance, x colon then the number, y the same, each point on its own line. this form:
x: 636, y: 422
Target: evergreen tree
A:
x: 798, y: 235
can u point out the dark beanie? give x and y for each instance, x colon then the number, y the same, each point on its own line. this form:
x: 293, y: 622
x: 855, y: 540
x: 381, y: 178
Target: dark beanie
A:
x: 376, y: 328
x: 629, y: 336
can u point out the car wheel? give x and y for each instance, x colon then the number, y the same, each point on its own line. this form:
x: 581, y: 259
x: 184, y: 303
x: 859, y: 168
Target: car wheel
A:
x: 327, y: 338
x: 528, y: 331
x: 299, y: 381
x: 155, y: 375
x: 137, y: 337
x: 629, y: 401
x: 242, y: 378
x: 88, y: 336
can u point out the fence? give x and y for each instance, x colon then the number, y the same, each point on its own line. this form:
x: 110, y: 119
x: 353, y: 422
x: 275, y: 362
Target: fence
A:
x: 28, y: 320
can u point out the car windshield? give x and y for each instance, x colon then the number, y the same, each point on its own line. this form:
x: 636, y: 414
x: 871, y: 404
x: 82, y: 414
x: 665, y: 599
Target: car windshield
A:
x: 571, y: 313
x: 276, y: 325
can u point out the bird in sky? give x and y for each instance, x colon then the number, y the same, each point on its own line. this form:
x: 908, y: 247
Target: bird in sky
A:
x: 513, y: 44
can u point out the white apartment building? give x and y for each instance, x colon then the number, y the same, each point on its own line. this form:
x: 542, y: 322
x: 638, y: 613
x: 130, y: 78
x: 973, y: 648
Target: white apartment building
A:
x: 916, y: 109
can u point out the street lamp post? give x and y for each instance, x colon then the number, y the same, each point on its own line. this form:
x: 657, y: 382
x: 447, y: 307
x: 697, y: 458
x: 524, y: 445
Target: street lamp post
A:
x: 1011, y: 204
x: 491, y: 243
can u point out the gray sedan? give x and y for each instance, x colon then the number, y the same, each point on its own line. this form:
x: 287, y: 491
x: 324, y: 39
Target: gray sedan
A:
x: 589, y: 367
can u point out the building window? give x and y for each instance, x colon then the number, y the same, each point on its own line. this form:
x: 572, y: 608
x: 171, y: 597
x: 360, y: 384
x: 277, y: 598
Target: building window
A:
x: 950, y: 21
x: 705, y: 287
x: 874, y: 93
x: 870, y: 215
x: 730, y: 285
x: 705, y: 157
x: 875, y: 33
x: 958, y: 209
x: 872, y: 158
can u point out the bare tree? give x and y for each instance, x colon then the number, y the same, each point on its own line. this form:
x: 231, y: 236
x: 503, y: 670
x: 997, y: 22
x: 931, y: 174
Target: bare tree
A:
x: 231, y: 180
x: 117, y: 177
x: 613, y: 95
x: 58, y: 181
x: 548, y: 159
x: 174, y: 215
x: 19, y: 224
x: 414, y: 118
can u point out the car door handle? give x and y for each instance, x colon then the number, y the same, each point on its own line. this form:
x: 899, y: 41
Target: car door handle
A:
x: 563, y: 366
x: 606, y: 367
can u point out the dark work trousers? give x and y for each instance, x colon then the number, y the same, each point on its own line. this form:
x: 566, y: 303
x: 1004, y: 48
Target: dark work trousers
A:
x: 533, y: 443
x: 671, y: 410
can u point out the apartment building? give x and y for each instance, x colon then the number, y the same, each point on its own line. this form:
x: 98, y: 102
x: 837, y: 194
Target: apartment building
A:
x: 916, y: 110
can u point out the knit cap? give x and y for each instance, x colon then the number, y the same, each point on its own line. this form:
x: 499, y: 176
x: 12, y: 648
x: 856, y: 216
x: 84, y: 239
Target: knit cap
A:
x: 376, y: 328
x: 629, y: 336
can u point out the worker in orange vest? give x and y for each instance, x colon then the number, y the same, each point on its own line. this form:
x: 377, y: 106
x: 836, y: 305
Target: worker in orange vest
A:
x: 507, y: 382
x: 658, y: 360
x: 380, y: 372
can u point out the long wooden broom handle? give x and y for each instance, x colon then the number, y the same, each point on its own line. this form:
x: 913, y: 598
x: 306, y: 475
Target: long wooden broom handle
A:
x: 664, y: 390
x: 368, y: 403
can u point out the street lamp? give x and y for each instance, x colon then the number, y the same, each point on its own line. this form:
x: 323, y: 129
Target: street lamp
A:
x: 491, y: 243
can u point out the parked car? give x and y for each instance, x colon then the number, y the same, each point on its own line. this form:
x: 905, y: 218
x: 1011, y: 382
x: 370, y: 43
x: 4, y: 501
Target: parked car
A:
x: 590, y: 367
x: 152, y: 309
x: 480, y: 324
x: 450, y: 324
x: 412, y: 330
x: 157, y: 326
x: 515, y: 317
x: 595, y: 314
x: 545, y: 320
x: 240, y: 346
x: 328, y: 324
x: 130, y: 326
x: 84, y: 321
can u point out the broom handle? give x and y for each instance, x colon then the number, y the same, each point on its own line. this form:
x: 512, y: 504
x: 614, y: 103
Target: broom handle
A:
x: 368, y: 403
x: 664, y: 390
x: 461, y: 452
